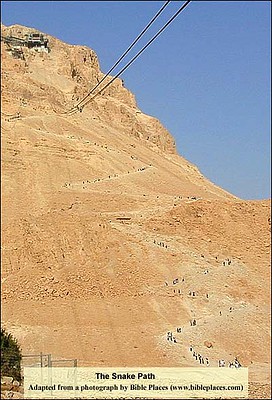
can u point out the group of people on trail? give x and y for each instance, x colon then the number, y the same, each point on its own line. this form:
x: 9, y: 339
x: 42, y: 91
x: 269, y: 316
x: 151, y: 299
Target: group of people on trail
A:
x: 110, y: 177
x: 221, y: 362
x: 161, y: 244
x: 175, y: 281
x: 171, y: 338
x: 233, y: 364
x: 199, y: 357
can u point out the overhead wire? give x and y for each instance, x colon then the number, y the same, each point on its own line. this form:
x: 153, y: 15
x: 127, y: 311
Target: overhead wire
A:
x: 135, y: 57
x: 122, y: 56
x: 128, y: 49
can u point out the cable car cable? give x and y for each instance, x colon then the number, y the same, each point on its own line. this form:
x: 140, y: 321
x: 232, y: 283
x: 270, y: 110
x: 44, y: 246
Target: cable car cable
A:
x: 123, y: 55
x: 128, y: 50
x: 140, y: 52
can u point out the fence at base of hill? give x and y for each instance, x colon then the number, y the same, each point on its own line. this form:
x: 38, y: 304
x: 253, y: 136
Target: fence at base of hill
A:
x: 46, y: 360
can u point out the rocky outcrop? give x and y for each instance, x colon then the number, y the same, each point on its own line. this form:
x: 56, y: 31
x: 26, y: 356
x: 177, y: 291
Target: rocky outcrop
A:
x: 71, y: 72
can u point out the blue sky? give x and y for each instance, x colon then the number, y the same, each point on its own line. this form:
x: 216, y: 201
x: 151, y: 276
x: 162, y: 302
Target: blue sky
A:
x: 206, y: 78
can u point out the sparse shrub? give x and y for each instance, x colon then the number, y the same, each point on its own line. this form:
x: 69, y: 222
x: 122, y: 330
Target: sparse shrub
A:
x: 11, y: 356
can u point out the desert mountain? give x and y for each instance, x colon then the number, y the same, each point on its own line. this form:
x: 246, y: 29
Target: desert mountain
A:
x: 110, y: 239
